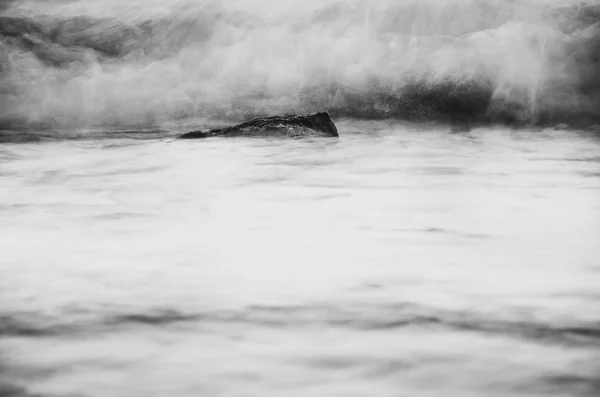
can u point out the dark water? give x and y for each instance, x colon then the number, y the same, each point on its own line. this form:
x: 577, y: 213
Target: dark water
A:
x: 393, y: 261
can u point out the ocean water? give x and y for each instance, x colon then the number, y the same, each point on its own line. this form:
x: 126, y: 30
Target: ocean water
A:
x: 394, y: 261
x: 405, y: 258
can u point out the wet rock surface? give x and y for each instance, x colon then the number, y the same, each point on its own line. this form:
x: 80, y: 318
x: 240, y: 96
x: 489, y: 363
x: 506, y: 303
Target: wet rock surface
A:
x: 315, y: 125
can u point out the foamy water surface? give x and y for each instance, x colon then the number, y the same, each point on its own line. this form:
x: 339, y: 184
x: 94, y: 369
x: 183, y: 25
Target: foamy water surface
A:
x: 402, y: 259
x: 397, y: 260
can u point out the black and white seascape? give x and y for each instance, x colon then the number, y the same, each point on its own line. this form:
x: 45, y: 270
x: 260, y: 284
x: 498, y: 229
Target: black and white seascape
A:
x: 392, y: 198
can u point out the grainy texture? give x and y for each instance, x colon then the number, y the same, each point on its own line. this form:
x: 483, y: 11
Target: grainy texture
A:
x: 315, y: 124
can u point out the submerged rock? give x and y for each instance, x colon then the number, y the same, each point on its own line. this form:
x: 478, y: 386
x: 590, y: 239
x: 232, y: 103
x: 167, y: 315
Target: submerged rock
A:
x: 296, y: 126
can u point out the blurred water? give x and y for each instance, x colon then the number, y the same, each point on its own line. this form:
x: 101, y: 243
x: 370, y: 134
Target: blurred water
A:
x: 99, y: 63
x: 394, y: 261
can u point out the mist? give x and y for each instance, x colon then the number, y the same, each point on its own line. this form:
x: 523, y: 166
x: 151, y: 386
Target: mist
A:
x: 74, y: 64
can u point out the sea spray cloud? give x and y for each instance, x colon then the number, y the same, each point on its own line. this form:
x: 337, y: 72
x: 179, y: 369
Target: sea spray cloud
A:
x: 105, y: 63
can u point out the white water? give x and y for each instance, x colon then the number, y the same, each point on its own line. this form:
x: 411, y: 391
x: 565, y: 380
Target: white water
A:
x: 392, y: 261
x: 231, y: 59
x: 399, y: 260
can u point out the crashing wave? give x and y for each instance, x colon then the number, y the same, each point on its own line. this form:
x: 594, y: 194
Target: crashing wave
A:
x: 126, y: 63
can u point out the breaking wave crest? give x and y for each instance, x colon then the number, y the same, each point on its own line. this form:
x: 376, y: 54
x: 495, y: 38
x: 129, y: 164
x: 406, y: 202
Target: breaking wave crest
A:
x: 107, y: 63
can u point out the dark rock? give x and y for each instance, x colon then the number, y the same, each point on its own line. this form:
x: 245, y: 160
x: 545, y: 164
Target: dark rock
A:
x: 315, y: 125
